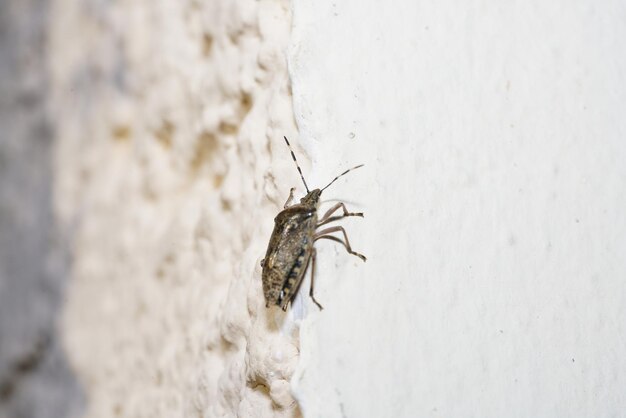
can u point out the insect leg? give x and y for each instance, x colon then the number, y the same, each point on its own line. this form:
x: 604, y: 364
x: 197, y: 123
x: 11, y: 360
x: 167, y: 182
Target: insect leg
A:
x: 290, y: 198
x: 327, y: 218
x: 313, y: 279
x: 324, y: 234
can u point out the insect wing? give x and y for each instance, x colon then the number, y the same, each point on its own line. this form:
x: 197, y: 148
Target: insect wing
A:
x: 288, y: 254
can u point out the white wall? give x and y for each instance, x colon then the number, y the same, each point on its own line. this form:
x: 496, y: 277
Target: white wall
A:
x: 493, y: 137
x: 493, y: 187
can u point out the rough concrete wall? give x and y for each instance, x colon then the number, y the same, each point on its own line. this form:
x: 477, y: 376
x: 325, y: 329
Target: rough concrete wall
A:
x: 35, y: 380
x: 495, y: 169
x: 170, y: 168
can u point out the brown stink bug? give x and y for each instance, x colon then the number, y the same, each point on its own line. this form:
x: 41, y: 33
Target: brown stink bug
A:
x: 291, y: 249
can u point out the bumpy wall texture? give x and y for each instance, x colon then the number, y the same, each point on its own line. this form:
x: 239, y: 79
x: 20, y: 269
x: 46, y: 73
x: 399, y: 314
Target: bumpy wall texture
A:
x: 169, y: 115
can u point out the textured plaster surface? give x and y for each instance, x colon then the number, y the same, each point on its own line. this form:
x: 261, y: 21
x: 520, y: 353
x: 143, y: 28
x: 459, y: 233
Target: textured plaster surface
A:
x: 494, y: 195
x: 171, y: 168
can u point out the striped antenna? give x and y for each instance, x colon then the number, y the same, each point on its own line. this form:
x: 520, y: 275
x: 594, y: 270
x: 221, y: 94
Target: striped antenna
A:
x: 297, y: 166
x: 342, y: 174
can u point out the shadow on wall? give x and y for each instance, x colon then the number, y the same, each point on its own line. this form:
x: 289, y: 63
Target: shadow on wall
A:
x: 35, y: 379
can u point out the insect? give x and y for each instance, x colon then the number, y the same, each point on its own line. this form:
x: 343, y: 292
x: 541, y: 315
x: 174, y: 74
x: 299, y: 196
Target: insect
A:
x: 291, y: 247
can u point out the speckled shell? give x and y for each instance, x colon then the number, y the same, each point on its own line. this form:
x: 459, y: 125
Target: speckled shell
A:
x: 288, y: 254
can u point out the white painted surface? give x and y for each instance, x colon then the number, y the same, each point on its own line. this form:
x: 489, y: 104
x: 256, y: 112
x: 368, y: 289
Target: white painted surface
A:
x: 493, y: 135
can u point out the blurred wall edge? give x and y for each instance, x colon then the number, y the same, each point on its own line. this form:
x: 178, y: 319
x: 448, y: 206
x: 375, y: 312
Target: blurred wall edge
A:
x: 35, y: 380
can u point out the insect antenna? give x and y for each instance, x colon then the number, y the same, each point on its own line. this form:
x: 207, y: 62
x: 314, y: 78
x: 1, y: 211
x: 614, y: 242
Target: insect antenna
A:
x: 297, y: 166
x: 342, y: 174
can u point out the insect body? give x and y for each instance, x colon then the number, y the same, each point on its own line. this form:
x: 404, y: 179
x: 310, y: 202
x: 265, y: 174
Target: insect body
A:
x: 291, y: 248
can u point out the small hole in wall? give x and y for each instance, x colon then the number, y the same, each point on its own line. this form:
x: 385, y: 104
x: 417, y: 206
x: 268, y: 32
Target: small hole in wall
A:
x: 121, y: 133
x: 259, y: 386
x: 218, y: 179
x: 235, y: 36
x: 228, y: 128
x: 206, y: 144
x: 164, y: 134
x: 165, y: 265
x: 246, y: 103
x: 207, y: 44
x: 226, y: 205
